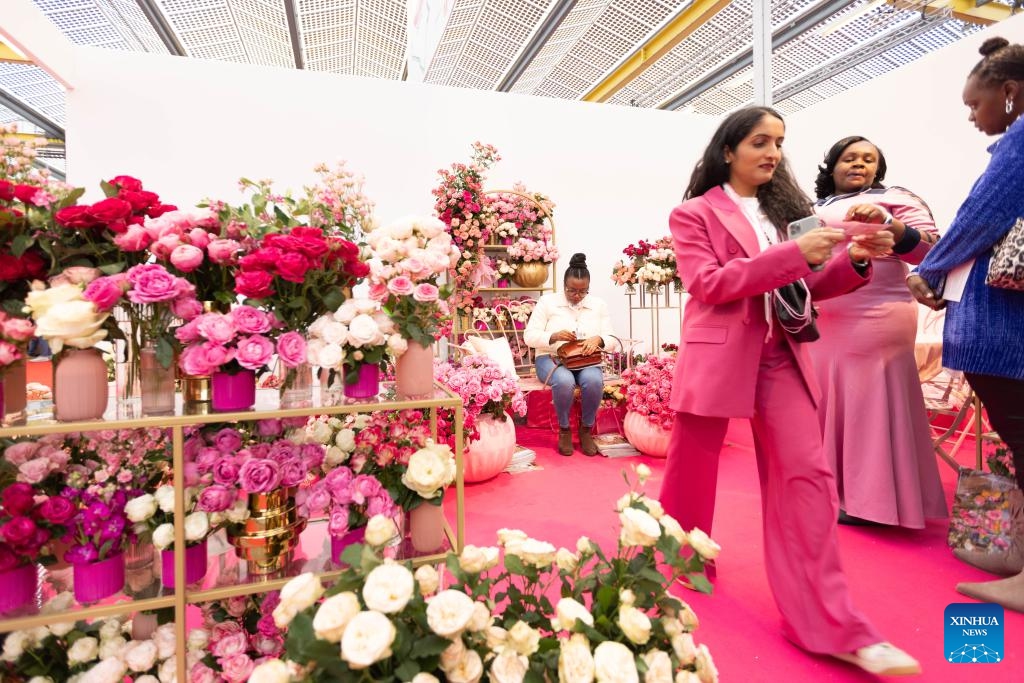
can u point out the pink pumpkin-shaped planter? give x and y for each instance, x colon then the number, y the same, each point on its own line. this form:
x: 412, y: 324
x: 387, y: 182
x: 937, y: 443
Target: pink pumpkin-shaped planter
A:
x: 646, y: 437
x: 492, y: 451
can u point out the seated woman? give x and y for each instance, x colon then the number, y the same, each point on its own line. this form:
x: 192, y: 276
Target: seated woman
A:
x: 569, y: 316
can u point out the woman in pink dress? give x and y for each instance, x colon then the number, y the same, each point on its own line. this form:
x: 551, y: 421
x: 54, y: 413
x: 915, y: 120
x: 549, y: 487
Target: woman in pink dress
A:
x: 873, y: 420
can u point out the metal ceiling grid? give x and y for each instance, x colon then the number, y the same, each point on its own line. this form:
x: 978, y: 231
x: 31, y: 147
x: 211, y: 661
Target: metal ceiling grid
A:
x: 246, y: 31
x: 381, y: 38
x: 34, y: 87
x: 583, y: 14
x: 327, y: 29
x: 464, y: 59
x: 613, y: 36
x: 116, y: 24
x: 725, y: 36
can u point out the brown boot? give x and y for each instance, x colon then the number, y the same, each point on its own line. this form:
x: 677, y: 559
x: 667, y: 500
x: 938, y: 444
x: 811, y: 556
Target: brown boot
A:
x: 1006, y: 592
x: 587, y: 444
x: 565, y: 442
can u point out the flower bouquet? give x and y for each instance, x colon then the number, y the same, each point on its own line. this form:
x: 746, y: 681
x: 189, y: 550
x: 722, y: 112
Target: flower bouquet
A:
x: 649, y: 264
x: 615, y: 619
x: 348, y: 500
x: 28, y: 198
x: 254, y: 483
x: 15, y: 334
x: 356, y: 340
x: 461, y: 204
x: 237, y: 634
x: 153, y: 513
x: 649, y: 419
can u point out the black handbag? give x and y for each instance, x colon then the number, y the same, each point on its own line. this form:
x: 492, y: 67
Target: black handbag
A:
x: 794, y: 311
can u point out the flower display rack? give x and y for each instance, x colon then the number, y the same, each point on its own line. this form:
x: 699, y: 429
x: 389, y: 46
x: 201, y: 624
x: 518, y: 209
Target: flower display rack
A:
x: 654, y: 301
x: 502, y: 323
x: 230, y: 585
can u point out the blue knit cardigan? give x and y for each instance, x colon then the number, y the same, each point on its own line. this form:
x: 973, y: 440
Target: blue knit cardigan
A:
x: 984, y: 331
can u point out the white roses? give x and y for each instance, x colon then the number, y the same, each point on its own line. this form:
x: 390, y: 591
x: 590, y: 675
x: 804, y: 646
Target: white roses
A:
x: 367, y: 639
x: 430, y: 470
x: 334, y: 615
x: 449, y: 613
x: 298, y: 594
x: 388, y: 588
x: 703, y: 544
x: 380, y: 530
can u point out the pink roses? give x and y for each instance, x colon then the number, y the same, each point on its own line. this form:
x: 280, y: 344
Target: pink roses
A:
x: 236, y: 340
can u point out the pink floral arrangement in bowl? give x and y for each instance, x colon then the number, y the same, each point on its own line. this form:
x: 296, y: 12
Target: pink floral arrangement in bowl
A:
x: 226, y: 462
x: 485, y: 387
x: 242, y: 339
x: 348, y: 499
x: 648, y: 389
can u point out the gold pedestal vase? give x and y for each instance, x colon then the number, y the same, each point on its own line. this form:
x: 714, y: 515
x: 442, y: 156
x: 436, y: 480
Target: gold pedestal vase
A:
x: 268, y: 537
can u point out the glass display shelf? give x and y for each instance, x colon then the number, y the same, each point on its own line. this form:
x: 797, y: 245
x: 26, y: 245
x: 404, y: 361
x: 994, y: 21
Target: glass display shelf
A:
x: 516, y: 288
x: 267, y: 406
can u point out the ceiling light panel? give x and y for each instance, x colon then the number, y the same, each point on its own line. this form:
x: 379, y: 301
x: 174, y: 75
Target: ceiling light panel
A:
x: 358, y: 37
x: 466, y: 57
x: 35, y: 88
x: 246, y: 31
x: 566, y: 37
x: 613, y: 36
x: 116, y: 24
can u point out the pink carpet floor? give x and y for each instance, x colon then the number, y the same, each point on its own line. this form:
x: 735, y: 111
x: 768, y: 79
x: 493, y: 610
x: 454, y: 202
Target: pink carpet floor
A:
x: 902, y: 580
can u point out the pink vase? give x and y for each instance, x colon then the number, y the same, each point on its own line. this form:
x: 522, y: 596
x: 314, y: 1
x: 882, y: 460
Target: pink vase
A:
x: 19, y: 587
x: 97, y: 580
x: 426, y: 528
x: 491, y: 451
x: 646, y: 437
x: 195, y: 564
x: 368, y: 384
x: 339, y: 543
x: 414, y: 371
x: 80, y: 385
x: 233, y: 391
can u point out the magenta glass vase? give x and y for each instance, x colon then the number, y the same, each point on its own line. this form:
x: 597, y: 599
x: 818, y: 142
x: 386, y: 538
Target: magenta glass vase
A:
x: 97, y: 580
x: 195, y: 564
x: 19, y: 587
x: 339, y: 543
x: 368, y: 384
x: 233, y: 391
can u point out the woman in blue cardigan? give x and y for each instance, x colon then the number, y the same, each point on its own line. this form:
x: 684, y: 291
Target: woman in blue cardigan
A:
x: 983, y: 329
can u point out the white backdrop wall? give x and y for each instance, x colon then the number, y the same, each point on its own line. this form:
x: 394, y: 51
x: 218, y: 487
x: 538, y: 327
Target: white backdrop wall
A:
x: 189, y: 129
x: 916, y: 115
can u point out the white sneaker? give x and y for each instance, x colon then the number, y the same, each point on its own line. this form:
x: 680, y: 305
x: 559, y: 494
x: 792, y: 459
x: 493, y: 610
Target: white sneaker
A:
x: 883, y: 659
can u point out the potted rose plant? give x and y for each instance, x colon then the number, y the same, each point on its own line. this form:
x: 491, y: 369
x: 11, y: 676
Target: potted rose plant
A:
x: 489, y: 392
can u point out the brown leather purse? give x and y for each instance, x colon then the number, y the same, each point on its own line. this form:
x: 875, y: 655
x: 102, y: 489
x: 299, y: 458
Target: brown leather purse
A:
x: 570, y: 354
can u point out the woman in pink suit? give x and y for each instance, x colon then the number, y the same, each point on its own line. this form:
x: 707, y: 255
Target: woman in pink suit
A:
x: 736, y: 361
x: 875, y: 430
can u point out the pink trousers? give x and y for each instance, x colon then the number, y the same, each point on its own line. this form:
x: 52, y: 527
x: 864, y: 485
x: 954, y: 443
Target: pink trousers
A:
x: 798, y: 501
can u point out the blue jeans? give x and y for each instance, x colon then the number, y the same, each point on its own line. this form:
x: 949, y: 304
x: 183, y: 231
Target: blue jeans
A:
x: 563, y: 383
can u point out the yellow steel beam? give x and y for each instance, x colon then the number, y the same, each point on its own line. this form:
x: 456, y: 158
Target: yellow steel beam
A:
x: 9, y: 54
x: 964, y: 10
x: 670, y: 35
x: 33, y: 136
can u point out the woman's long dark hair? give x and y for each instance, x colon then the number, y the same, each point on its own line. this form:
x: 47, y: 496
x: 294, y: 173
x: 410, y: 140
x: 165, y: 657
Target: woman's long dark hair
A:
x: 825, y: 184
x: 781, y: 198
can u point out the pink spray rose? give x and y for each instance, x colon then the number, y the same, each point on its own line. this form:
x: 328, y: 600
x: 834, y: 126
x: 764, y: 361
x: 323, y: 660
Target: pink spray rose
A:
x: 400, y: 286
x: 254, y: 351
x: 9, y: 353
x: 236, y: 668
x: 186, y: 308
x: 215, y: 498
x: 425, y: 292
x: 291, y: 348
x: 187, y: 257
x: 217, y: 328
x: 199, y: 238
x: 151, y: 283
x: 135, y: 238
x: 104, y: 292
x: 18, y: 329
x: 251, y: 320
x: 260, y: 475
x: 223, y: 251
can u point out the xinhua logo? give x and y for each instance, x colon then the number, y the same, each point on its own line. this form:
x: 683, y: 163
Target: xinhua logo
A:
x: 973, y: 633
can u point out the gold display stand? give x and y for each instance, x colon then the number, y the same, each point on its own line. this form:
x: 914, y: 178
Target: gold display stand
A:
x: 654, y: 300
x: 462, y: 324
x: 266, y: 408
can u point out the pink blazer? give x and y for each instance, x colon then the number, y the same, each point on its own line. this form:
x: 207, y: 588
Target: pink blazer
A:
x: 724, y: 325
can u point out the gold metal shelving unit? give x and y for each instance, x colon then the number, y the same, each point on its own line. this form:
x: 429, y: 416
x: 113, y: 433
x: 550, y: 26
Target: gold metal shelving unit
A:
x: 266, y: 408
x: 654, y: 300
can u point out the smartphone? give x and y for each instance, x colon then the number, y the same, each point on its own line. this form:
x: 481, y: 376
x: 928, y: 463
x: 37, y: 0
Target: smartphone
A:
x: 798, y: 228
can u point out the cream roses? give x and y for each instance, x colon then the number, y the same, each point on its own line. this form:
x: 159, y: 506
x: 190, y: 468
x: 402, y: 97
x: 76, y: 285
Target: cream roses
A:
x: 430, y: 470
